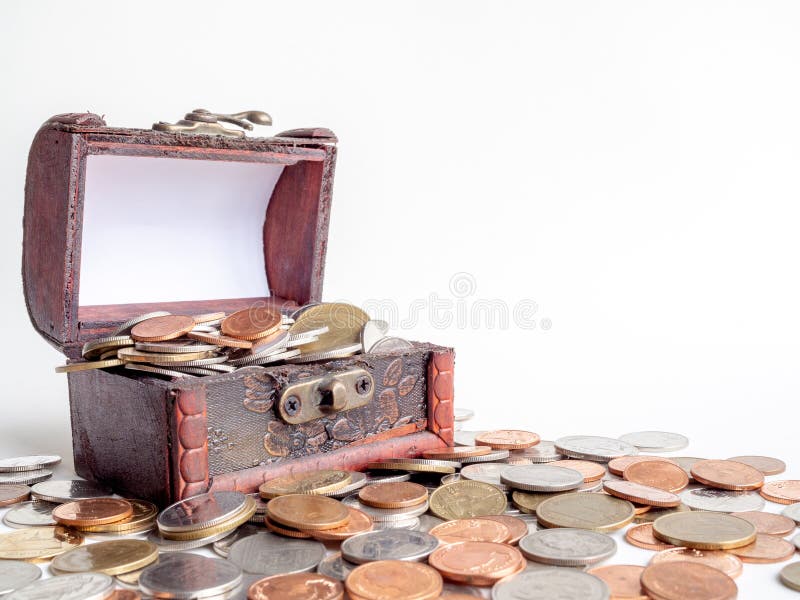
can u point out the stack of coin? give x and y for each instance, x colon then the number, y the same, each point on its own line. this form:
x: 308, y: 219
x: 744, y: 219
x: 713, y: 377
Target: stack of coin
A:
x: 111, y: 516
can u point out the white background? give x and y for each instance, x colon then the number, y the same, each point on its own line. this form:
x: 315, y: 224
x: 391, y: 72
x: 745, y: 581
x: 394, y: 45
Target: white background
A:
x: 631, y: 167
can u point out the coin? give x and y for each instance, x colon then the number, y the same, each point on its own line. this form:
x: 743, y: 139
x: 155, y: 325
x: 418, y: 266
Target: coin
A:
x: 723, y: 560
x: 269, y: 554
x: 156, y: 370
x: 596, y: 512
x: 124, y: 595
x: 13, y: 494
x: 591, y: 471
x: 790, y: 576
x: 487, y: 473
x: 591, y: 447
x: 388, y: 544
x: 393, y: 495
x: 284, y: 530
x: 477, y: 563
x: 142, y: 518
x: 16, y: 574
x: 686, y: 463
x: 94, y: 511
x: 223, y: 546
x: 766, y: 464
x: 274, y: 342
x: 297, y: 586
x: 681, y: 580
x: 704, y: 530
x: 721, y: 500
x: 782, y: 492
x: 314, y: 482
x: 654, y: 513
x: 656, y: 441
x: 623, y: 581
x: 185, y: 575
x: 157, y: 329
x: 217, y: 339
x: 175, y: 347
x: 388, y: 579
x: 125, y: 328
x: 167, y: 545
x: 412, y: 523
x: 132, y: 355
x: 38, y: 542
x: 517, y: 528
x: 360, y: 522
x: 493, y: 456
x: 251, y: 323
x: 793, y: 512
x: 658, y: 474
x: 88, y: 365
x: 335, y: 566
x: 528, y: 501
x: 390, y: 345
x: 544, y: 451
x: 201, y: 511
x: 766, y: 549
x: 465, y: 499
x: 541, y: 478
x: 241, y: 517
x: 507, y: 439
x: 358, y: 480
x: 550, y: 583
x: 30, y: 514
x: 476, y: 530
x: 643, y: 494
x: 26, y: 477
x: 337, y: 352
x: 456, y: 452
x: 307, y: 512
x: 112, y: 557
x: 462, y: 414
x: 344, y: 322
x: 642, y: 537
x: 414, y: 465
x: 567, y: 547
x: 383, y: 515
x: 82, y: 586
x: 768, y: 523
x: 466, y: 438
x: 616, y: 466
x: 727, y: 475
x: 28, y: 463
x: 372, y: 332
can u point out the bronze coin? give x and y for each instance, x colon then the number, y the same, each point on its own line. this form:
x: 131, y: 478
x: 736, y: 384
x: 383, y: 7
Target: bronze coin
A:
x: 252, y: 323
x: 13, y: 493
x: 766, y: 464
x: 682, y: 580
x: 360, y: 522
x: 394, y: 579
x: 591, y: 471
x: 517, y: 528
x: 286, y: 531
x: 477, y: 563
x: 472, y: 530
x: 297, y: 586
x: 766, y: 549
x: 507, y: 439
x: 724, y: 561
x: 396, y: 494
x: 782, y: 492
x: 657, y: 473
x: 159, y: 329
x: 456, y: 452
x: 768, y: 523
x: 92, y: 511
x: 616, y: 466
x: 642, y: 494
x: 624, y: 581
x: 642, y: 536
x: 308, y: 512
x: 727, y: 475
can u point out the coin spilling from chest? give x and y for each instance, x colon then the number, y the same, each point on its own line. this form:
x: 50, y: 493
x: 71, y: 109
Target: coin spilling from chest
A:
x: 394, y: 579
x: 157, y: 329
x: 314, y: 482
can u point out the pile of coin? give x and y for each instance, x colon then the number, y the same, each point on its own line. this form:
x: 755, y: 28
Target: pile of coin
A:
x: 160, y: 343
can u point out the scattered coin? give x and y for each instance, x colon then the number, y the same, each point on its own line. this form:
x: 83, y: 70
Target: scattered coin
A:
x: 541, y: 478
x: 616, y: 466
x: 201, y: 511
x: 793, y: 512
x: 790, y: 576
x: 721, y: 500
x: 466, y: 499
x: 596, y: 512
x: 549, y: 583
x: 308, y: 512
x: 335, y: 566
x: 67, y: 490
x: 507, y: 439
x: 475, y: 530
x: 727, y: 475
x: 16, y: 574
x: 314, y: 482
x: 186, y: 575
x: 393, y: 494
x: 656, y: 441
x: 782, y: 492
x: 725, y: 561
x: 768, y: 523
x: 477, y: 563
x: 642, y: 536
x: 591, y: 447
x: 30, y: 514
x: 704, y: 530
x: 112, y: 557
x: 543, y: 452
x: 765, y: 549
x: 567, y: 547
x: 38, y: 543
x: 681, y: 580
x: 659, y: 474
x: 297, y: 586
x: 82, y: 586
x: 624, y: 581
x: 388, y: 544
x: 527, y: 502
x: 25, y: 477
x: 591, y: 471
x: 94, y: 511
x: 269, y: 554
x: 387, y: 579
x: 28, y: 463
x: 642, y: 494
x: 223, y: 546
x: 457, y: 452
x: 766, y: 464
x: 517, y: 527
x: 13, y: 494
x: 487, y: 473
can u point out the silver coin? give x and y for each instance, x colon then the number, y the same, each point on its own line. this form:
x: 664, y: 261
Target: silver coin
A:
x: 541, y: 478
x: 357, y: 481
x: 30, y: 514
x: 487, y: 473
x: 67, y: 490
x: 335, y: 566
x: 28, y: 463
x: 272, y: 344
x: 387, y: 476
x: 165, y: 545
x: 303, y: 309
x: 26, y: 477
x: 796, y: 541
x: 16, y: 574
x: 412, y: 523
x: 340, y: 352
x: 546, y: 584
x: 202, y: 371
x: 455, y: 588
x: 156, y: 370
x: 126, y: 327
x: 543, y: 452
x: 425, y: 461
x: 428, y: 522
x: 380, y: 515
x: 656, y: 441
x: 390, y: 345
x: 188, y: 576
x: 268, y: 359
x: 269, y: 554
x: 591, y: 486
x: 206, y: 329
x: 372, y: 332
x: 80, y: 586
x: 686, y: 463
x: 308, y: 334
x: 164, y: 348
x: 463, y: 414
x: 493, y: 456
x: 793, y: 512
x: 223, y: 546
x: 721, y: 500
x: 389, y: 544
x: 592, y: 447
x: 201, y: 511
x: 566, y: 547
x: 200, y: 362
x: 465, y: 438
x: 530, y: 520
x: 301, y: 341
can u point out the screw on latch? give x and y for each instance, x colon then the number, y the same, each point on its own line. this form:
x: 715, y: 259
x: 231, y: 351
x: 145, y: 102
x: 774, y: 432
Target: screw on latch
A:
x: 363, y: 385
x: 291, y: 405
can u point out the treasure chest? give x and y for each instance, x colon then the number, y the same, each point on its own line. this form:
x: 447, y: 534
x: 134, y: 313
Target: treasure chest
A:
x: 192, y: 218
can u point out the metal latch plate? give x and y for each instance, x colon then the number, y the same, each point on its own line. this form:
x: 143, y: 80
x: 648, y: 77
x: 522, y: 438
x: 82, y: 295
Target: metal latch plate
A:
x: 318, y: 397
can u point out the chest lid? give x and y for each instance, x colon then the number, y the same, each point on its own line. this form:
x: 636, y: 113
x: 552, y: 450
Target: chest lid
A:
x: 120, y: 222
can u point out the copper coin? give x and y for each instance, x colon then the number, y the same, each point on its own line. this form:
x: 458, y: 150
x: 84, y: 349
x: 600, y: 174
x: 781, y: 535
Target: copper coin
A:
x: 456, y: 452
x: 219, y: 340
x: 643, y: 494
x: 766, y: 549
x: 470, y: 530
x: 297, y: 586
x: 659, y: 474
x: 124, y: 595
x: 394, y: 580
x: 768, y: 523
x: 640, y: 509
x: 507, y: 439
x: 682, y: 580
x: 642, y: 537
x: 616, y: 466
x: 13, y: 493
x: 766, y: 464
x: 477, y: 563
x: 252, y: 323
x: 286, y: 531
x: 727, y: 475
x: 360, y: 522
x: 517, y: 528
x: 721, y: 560
x: 159, y: 329
x: 396, y: 494
x: 591, y: 471
x: 92, y: 511
x: 782, y: 492
x: 624, y: 581
x: 308, y: 512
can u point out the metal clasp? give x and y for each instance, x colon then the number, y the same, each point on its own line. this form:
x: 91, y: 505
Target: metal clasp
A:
x: 319, y: 397
x: 202, y: 121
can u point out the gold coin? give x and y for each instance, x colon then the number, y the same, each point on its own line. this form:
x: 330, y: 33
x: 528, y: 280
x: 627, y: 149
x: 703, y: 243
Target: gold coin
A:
x: 704, y: 530
x: 95, y: 348
x: 344, y: 323
x: 111, y: 558
x: 38, y: 543
x: 596, y: 512
x: 465, y: 499
x: 137, y: 356
x: 527, y: 502
x: 414, y: 467
x: 313, y: 482
x: 88, y: 366
x: 143, y: 518
x: 239, y: 518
